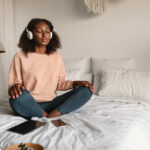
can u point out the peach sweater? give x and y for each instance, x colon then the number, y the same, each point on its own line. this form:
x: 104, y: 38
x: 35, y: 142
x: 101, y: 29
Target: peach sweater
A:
x: 41, y: 74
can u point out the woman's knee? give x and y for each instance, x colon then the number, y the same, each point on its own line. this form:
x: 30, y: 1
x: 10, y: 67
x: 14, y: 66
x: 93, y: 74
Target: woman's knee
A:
x: 86, y: 90
x: 22, y: 96
x: 25, y: 105
x: 20, y: 101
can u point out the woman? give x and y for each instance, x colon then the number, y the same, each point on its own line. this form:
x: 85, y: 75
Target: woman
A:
x: 37, y: 71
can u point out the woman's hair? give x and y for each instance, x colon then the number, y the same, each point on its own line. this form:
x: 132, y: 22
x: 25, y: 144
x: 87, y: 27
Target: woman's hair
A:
x: 29, y: 45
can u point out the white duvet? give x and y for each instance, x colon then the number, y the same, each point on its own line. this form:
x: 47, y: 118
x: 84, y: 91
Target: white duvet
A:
x: 104, y: 123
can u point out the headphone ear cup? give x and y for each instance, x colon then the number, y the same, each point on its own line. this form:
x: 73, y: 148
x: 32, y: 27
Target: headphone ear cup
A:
x: 29, y: 35
x: 51, y: 35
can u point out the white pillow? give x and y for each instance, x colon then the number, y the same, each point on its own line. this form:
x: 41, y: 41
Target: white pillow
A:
x: 83, y: 64
x: 76, y: 75
x: 73, y: 74
x: 99, y: 65
x: 86, y: 77
x: 97, y: 82
x: 125, y: 83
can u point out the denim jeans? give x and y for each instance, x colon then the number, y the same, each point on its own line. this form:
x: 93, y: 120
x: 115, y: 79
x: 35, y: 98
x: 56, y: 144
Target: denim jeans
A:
x: 26, y: 106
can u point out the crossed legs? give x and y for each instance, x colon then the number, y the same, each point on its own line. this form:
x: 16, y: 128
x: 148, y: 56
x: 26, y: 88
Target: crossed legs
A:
x: 26, y: 106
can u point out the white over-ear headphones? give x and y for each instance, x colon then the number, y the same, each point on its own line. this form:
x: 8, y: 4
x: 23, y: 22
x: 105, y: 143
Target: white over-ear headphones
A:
x: 51, y: 35
x: 30, y: 35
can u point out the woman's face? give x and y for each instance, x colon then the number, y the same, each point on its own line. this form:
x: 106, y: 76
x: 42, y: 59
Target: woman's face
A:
x: 41, y: 34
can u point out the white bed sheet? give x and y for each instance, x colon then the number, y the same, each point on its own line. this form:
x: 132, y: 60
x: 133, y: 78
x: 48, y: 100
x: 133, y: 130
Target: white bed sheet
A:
x: 104, y: 123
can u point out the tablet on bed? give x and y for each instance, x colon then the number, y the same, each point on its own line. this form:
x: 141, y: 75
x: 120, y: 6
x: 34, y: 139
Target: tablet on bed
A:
x: 26, y: 126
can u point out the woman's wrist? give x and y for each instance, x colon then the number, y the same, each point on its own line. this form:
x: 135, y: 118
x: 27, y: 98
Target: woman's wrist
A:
x: 74, y: 84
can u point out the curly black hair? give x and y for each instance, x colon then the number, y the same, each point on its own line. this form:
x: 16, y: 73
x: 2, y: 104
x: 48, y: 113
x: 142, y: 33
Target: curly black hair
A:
x: 29, y: 45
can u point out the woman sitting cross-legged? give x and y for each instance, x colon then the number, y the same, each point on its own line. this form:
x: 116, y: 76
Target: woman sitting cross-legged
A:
x: 37, y: 71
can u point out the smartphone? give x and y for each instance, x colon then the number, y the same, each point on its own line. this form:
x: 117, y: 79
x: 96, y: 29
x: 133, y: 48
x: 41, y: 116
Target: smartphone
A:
x: 26, y: 126
x: 58, y: 122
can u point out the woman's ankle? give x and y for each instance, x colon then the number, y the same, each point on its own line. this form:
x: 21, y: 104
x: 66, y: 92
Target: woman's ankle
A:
x: 54, y: 113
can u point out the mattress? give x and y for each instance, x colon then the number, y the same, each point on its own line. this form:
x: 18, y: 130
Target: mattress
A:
x: 103, y: 123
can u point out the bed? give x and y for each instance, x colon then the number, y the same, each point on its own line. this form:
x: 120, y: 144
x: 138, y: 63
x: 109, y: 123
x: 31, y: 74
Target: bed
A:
x: 104, y: 123
x: 110, y: 120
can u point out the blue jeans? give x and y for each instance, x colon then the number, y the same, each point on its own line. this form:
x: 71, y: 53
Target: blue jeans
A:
x: 26, y: 106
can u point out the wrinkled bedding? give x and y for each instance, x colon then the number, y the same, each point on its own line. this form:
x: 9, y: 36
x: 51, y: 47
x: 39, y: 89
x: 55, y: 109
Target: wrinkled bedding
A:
x: 104, y: 123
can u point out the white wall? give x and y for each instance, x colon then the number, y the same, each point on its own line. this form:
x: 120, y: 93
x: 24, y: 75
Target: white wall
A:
x: 122, y: 31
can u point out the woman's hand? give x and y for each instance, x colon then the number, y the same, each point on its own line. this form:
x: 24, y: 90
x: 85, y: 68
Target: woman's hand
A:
x: 83, y: 83
x: 15, y: 90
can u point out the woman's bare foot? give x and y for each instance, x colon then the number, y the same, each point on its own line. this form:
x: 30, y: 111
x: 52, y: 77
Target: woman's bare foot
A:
x: 53, y: 113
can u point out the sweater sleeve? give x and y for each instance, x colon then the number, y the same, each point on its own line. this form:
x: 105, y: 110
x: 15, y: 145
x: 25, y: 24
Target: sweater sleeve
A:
x: 63, y: 84
x: 15, y: 75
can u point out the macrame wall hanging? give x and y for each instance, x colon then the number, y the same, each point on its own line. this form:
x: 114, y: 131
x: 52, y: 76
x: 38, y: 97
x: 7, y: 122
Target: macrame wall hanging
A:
x: 95, y: 6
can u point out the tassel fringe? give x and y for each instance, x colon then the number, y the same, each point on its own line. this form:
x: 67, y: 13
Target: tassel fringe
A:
x: 96, y: 6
